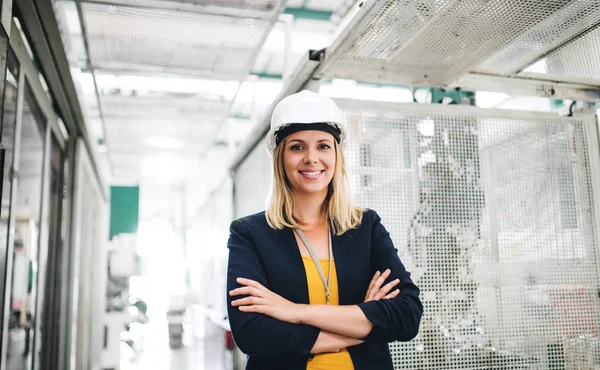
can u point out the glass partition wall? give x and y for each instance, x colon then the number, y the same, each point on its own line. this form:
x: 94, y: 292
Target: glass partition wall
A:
x: 27, y: 225
x: 8, y: 128
x: 31, y: 219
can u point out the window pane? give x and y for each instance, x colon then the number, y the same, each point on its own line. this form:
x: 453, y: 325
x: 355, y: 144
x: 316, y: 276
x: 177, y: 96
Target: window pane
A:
x: 8, y: 138
x: 27, y: 229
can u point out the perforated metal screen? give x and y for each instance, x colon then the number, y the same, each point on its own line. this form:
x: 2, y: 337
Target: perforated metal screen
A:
x: 566, y: 24
x: 577, y: 61
x: 493, y: 213
x: 434, y: 42
x: 161, y: 40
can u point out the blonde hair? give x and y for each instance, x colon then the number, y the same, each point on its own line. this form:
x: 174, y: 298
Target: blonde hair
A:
x: 337, y: 207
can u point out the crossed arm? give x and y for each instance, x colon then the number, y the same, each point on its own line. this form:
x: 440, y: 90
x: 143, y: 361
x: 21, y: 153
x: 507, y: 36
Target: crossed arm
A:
x: 267, y: 325
x: 336, y: 332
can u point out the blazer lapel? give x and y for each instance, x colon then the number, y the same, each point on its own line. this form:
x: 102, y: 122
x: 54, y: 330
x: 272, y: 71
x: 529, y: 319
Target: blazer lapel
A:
x: 340, y: 254
x: 298, y: 281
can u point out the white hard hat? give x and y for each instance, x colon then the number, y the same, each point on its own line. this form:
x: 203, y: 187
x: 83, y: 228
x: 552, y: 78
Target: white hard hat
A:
x: 305, y: 107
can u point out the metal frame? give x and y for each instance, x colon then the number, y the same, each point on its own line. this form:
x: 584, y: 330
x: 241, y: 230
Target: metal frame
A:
x: 6, y: 12
x: 31, y: 74
x: 469, y: 81
x: 27, y: 79
x: 593, y: 215
x: 190, y: 8
x: 527, y: 86
x: 350, y: 30
x: 66, y: 331
x: 28, y: 76
x: 86, y: 47
x: 82, y: 164
x: 42, y: 247
x: 12, y: 217
x: 452, y: 109
x: 41, y: 28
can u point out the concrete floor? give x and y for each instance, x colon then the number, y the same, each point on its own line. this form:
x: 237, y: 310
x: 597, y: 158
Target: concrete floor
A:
x: 203, y: 349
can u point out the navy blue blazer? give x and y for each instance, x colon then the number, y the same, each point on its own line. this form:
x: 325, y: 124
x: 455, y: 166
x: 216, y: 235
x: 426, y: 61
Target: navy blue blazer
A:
x: 272, y: 257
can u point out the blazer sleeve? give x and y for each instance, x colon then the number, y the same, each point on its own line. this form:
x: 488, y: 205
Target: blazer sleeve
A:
x: 254, y: 333
x: 394, y: 319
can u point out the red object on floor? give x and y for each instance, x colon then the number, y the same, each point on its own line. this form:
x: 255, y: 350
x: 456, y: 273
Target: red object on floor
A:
x: 229, y: 343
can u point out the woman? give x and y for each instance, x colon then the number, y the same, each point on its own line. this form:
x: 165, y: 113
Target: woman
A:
x: 315, y: 283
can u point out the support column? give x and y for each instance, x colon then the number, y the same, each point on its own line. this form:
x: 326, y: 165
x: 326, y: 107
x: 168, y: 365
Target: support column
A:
x: 5, y: 19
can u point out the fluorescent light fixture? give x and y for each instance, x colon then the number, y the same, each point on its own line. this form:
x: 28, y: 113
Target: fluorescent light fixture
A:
x: 487, y: 99
x: 167, y: 167
x: 348, y: 89
x: 163, y: 142
x: 143, y: 85
x: 262, y: 92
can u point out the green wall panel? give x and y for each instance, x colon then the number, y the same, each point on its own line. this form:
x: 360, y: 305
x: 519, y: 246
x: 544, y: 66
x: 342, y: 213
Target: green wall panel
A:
x: 124, y: 209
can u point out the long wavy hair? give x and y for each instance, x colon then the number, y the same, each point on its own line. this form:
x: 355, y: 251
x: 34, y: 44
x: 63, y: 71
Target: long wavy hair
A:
x: 337, y: 208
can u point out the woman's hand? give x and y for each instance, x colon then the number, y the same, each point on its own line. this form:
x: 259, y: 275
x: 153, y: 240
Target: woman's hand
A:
x: 262, y: 300
x: 376, y: 292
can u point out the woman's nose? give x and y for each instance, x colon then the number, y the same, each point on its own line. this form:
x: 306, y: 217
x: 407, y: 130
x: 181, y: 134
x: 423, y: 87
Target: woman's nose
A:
x: 310, y: 157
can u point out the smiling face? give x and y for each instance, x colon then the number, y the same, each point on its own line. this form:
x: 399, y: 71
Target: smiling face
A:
x: 309, y: 161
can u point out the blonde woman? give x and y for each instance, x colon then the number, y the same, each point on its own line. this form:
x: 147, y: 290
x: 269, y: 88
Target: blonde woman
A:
x: 314, y: 282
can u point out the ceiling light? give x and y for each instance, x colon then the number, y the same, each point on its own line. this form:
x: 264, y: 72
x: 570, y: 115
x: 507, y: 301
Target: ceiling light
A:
x: 167, y: 167
x: 163, y: 142
x: 487, y: 99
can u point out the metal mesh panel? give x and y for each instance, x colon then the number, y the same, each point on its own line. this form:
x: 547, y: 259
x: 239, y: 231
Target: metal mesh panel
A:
x: 259, y: 5
x: 153, y: 40
x: 252, y: 182
x: 434, y: 42
x: 492, y: 212
x: 562, y: 26
x: 578, y: 61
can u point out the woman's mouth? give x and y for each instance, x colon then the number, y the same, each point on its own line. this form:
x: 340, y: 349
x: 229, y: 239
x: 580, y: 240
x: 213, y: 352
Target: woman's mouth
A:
x: 310, y: 175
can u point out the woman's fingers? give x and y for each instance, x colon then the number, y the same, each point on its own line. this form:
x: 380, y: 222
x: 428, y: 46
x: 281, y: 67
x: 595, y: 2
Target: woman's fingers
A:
x: 370, y: 291
x: 373, y: 280
x: 381, y: 279
x: 393, y: 294
x: 375, y: 285
x: 386, y: 289
x: 252, y: 283
x: 247, y: 301
x: 254, y: 308
x: 247, y: 291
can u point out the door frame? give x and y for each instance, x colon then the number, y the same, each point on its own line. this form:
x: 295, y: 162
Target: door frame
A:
x: 30, y: 76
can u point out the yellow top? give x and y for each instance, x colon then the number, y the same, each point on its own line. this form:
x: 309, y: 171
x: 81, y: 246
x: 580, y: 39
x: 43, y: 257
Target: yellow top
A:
x: 316, y: 292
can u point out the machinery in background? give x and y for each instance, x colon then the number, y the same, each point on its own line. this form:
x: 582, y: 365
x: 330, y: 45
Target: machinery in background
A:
x: 175, y: 319
x: 22, y: 308
x: 121, y: 309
